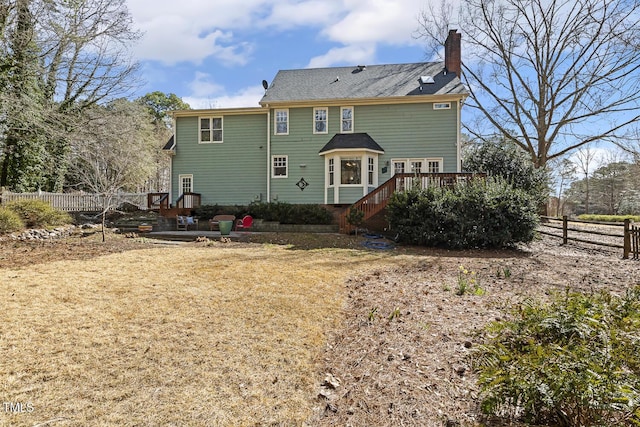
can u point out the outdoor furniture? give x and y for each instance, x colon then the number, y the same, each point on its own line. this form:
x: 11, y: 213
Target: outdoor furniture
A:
x: 214, y: 223
x: 244, y: 223
x: 183, y: 222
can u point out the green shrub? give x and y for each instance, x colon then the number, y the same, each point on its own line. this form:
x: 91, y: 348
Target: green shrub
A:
x: 206, y: 212
x: 478, y: 214
x: 38, y: 213
x: 287, y: 213
x: 506, y: 160
x: 572, y: 362
x: 608, y: 218
x: 9, y: 221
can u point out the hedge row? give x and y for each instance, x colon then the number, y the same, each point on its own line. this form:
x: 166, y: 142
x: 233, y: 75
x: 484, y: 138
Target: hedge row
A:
x: 608, y: 218
x: 285, y: 213
x: 478, y: 214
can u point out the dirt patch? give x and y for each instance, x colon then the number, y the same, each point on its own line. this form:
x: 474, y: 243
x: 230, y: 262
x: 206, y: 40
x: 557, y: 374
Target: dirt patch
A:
x: 403, y: 354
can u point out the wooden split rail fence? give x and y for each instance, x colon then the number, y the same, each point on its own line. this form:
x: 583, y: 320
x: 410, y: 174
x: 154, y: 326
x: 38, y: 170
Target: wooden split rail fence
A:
x: 625, y: 236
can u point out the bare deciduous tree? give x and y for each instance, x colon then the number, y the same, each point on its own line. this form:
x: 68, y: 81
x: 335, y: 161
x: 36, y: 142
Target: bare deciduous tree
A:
x: 551, y: 76
x: 113, y: 151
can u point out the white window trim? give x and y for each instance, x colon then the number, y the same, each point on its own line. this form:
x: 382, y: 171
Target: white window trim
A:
x: 273, y: 168
x: 363, y: 175
x: 441, y: 105
x: 275, y: 121
x: 371, y: 169
x: 331, y: 163
x: 180, y: 178
x: 425, y: 163
x: 210, y: 118
x: 326, y: 128
x: 352, y: 119
x: 434, y: 159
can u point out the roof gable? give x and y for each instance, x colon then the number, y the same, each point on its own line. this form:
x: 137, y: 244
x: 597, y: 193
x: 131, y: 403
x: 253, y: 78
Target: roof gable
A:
x: 360, y: 82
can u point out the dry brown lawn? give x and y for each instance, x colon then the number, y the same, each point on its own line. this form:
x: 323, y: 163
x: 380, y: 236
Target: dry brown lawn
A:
x: 188, y: 335
x: 133, y: 333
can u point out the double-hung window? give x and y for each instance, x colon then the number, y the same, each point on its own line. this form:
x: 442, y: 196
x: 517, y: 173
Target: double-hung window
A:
x: 433, y: 166
x: 346, y: 115
x: 416, y: 166
x: 370, y: 170
x: 210, y: 129
x: 320, y: 120
x: 281, y: 118
x: 279, y: 167
x: 331, y: 171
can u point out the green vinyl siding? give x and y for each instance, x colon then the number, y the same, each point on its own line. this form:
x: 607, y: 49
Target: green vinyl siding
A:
x: 403, y: 130
x: 410, y: 131
x: 236, y: 170
x: 302, y: 147
x: 228, y: 173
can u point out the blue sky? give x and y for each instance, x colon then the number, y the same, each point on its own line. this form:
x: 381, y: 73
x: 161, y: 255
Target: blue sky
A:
x: 215, y: 53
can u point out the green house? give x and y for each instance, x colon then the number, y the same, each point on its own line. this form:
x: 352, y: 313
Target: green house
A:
x: 327, y: 135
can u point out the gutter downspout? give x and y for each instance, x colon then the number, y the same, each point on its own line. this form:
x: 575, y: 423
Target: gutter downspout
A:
x: 268, y: 154
x: 459, y: 144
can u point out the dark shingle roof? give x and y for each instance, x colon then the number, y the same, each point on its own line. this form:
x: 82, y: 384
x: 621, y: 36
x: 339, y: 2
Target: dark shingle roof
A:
x: 170, y: 145
x: 374, y: 81
x: 355, y: 141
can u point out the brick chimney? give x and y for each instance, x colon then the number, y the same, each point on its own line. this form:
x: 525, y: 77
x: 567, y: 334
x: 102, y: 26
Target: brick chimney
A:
x: 452, y: 53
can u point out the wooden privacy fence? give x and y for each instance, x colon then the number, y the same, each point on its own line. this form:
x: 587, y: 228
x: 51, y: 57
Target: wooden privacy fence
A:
x: 625, y: 236
x: 77, y: 202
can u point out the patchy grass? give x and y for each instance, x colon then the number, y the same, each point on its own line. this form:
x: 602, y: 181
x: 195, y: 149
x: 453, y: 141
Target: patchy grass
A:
x: 170, y: 336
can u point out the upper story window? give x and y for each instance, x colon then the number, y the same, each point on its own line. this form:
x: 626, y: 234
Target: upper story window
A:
x: 441, y: 105
x: 346, y: 115
x: 320, y: 120
x: 281, y: 125
x: 279, y: 166
x: 210, y: 129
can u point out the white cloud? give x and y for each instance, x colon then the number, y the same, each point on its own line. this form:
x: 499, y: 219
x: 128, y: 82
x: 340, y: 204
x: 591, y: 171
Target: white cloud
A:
x: 205, y: 93
x: 193, y: 30
x: 376, y: 21
x: 203, y: 86
x: 311, y: 13
x: 198, y: 29
x: 344, y: 55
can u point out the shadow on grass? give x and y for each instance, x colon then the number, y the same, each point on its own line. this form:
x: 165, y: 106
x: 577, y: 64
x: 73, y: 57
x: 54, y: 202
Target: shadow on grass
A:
x: 314, y: 241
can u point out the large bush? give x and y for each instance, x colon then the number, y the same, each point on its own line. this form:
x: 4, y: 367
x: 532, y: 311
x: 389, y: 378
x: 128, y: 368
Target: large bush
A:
x: 501, y: 159
x: 9, y: 221
x: 38, y: 213
x: 572, y: 362
x: 479, y: 214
